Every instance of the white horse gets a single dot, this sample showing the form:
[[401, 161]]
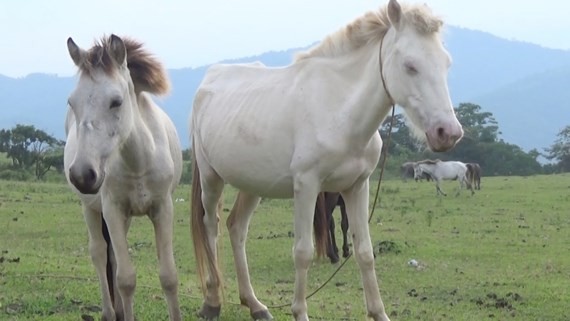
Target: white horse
[[123, 159], [440, 170], [312, 126]]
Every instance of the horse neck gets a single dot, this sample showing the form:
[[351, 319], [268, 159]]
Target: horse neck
[[368, 104], [139, 144], [428, 168]]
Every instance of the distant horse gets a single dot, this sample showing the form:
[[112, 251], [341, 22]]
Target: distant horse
[[123, 159], [440, 170], [330, 201], [474, 175], [407, 171], [312, 126]]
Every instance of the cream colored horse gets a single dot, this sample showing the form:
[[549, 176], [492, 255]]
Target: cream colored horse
[[123, 159], [440, 170], [312, 126]]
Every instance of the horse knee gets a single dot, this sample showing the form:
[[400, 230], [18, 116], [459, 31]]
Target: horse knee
[[365, 257], [169, 282], [126, 282], [303, 256]]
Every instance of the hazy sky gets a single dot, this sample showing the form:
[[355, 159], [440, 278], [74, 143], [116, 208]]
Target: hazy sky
[[190, 33]]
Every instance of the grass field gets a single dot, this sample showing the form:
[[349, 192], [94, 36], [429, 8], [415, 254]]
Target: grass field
[[502, 254]]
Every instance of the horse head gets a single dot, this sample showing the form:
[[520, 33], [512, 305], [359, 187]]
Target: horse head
[[418, 171], [415, 66], [102, 105]]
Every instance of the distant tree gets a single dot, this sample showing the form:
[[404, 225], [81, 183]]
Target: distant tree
[[479, 126], [30, 147], [402, 142], [186, 154], [560, 150], [480, 144]]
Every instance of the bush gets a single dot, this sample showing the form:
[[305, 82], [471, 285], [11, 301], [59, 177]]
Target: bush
[[15, 175]]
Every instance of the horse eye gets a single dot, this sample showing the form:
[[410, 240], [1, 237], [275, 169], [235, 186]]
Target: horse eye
[[410, 69], [116, 103]]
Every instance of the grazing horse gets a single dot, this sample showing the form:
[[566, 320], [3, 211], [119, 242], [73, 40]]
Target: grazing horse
[[312, 126], [440, 170], [330, 201], [474, 175], [123, 159], [407, 171]]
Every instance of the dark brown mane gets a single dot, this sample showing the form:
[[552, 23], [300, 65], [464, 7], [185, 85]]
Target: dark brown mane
[[147, 73]]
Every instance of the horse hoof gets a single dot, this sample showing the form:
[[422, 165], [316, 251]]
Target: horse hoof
[[209, 312], [345, 254], [334, 259], [262, 315]]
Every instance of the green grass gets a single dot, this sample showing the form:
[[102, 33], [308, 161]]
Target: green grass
[[500, 255]]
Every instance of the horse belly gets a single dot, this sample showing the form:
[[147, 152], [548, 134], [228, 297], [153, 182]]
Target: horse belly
[[257, 169]]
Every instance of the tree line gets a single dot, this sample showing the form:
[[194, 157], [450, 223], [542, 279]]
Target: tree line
[[481, 144], [32, 153]]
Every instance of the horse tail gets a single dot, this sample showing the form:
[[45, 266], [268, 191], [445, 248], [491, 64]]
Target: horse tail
[[205, 258], [321, 225]]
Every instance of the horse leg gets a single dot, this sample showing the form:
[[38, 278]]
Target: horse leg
[[438, 189], [469, 185], [211, 194], [344, 227], [332, 248], [118, 225], [356, 201], [306, 190], [98, 252], [163, 228], [330, 204], [238, 225], [461, 180]]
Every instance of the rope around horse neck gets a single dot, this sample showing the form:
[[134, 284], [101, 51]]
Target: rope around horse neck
[[384, 156]]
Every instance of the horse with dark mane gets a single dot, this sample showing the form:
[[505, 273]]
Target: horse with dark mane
[[474, 175], [328, 201], [123, 159], [444, 170], [407, 171]]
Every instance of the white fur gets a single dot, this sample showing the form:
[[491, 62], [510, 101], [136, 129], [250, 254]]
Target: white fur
[[135, 151], [312, 126]]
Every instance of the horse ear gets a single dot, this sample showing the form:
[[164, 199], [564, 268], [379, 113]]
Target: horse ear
[[118, 50], [395, 13], [75, 52]]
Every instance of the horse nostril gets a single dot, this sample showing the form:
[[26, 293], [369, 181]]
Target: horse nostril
[[90, 177], [441, 133]]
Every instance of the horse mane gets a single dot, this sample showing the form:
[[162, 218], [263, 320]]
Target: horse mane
[[429, 161], [371, 27], [147, 73]]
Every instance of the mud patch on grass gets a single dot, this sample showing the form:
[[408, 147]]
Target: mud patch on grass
[[495, 301]]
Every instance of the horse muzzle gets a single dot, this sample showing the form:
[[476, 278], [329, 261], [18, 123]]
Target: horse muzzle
[[86, 179], [444, 137]]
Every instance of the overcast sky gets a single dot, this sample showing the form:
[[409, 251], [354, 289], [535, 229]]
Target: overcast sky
[[190, 33]]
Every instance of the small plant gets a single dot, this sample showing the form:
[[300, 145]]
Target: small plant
[[429, 217]]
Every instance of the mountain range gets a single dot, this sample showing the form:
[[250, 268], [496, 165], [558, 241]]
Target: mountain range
[[525, 86]]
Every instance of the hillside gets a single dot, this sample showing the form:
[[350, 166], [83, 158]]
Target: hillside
[[506, 77]]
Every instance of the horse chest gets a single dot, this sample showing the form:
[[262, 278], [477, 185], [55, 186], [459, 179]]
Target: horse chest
[[140, 199], [136, 198]]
